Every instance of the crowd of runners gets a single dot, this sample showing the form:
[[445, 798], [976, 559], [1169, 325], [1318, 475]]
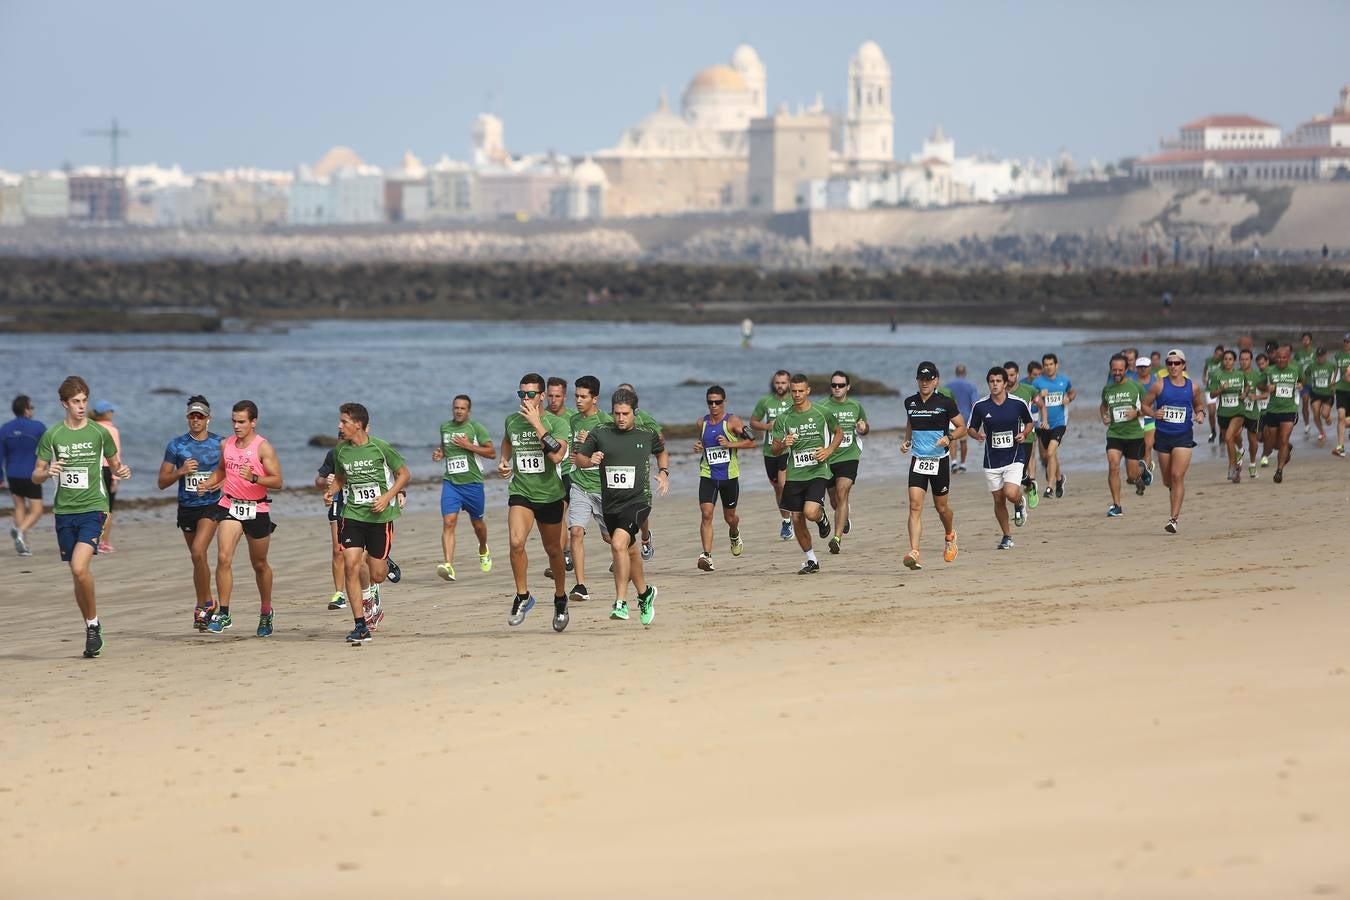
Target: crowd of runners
[[589, 470]]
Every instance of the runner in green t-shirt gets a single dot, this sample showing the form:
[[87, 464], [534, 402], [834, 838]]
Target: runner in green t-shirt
[[72, 452], [369, 475], [534, 444], [555, 404], [584, 503], [643, 419], [808, 437], [1304, 357], [770, 407], [622, 451], [1213, 363], [1225, 387], [1281, 385], [1119, 410], [1028, 394], [463, 446], [1319, 378], [852, 421], [1342, 393]]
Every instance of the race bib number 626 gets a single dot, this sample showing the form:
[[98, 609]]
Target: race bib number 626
[[924, 465]]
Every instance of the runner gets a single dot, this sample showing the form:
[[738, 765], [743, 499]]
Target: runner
[[722, 436], [1175, 402], [1056, 393], [1145, 378], [1263, 361], [770, 407], [369, 476], [927, 434], [464, 444], [1281, 385], [1213, 364], [622, 450], [645, 419], [1023, 391], [1124, 432], [555, 401], [18, 454], [247, 470], [1251, 416], [965, 395], [534, 442], [324, 481], [844, 463], [808, 437], [587, 501], [1342, 394], [189, 460], [1005, 421], [73, 451], [1304, 357], [103, 413], [1318, 381], [1225, 386]]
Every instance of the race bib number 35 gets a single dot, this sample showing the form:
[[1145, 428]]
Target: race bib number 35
[[718, 455], [924, 465], [74, 479], [530, 463], [621, 478]]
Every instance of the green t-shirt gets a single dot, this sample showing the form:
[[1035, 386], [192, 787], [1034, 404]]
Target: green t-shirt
[[770, 407], [1320, 378], [565, 467], [1119, 400], [625, 473], [643, 419], [1283, 384], [79, 487], [463, 466], [1302, 359], [814, 429], [1229, 385], [586, 479], [1028, 394], [1343, 372], [848, 414], [368, 471], [1252, 382], [1212, 366], [534, 475]]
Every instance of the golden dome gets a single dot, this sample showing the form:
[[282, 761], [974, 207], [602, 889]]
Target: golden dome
[[717, 79]]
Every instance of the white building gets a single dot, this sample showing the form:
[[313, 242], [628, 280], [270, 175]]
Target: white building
[[1326, 131], [452, 191], [1225, 132], [869, 126], [748, 65], [358, 196], [582, 198], [45, 195], [488, 141], [11, 199]]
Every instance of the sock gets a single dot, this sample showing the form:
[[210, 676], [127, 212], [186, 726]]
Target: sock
[[560, 603], [93, 621], [811, 555], [265, 610], [522, 597], [361, 622], [708, 554], [224, 610], [342, 594], [734, 533], [787, 521]]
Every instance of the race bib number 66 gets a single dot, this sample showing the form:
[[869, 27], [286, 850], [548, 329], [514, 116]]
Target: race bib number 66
[[621, 478]]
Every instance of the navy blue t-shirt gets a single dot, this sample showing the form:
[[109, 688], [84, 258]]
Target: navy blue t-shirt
[[207, 454], [1001, 423], [18, 447]]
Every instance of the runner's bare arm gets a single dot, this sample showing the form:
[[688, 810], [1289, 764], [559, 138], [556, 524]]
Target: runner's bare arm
[[960, 432], [1146, 405], [738, 427], [271, 465], [504, 465]]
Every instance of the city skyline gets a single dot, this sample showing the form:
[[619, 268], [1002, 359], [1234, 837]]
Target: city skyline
[[273, 87]]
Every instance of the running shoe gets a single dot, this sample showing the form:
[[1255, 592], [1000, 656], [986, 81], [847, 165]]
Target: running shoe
[[1019, 515], [848, 525], [647, 605], [548, 572], [1251, 470], [375, 618], [1059, 487], [1171, 527], [823, 526], [567, 560], [785, 530], [1114, 510], [1147, 476], [1006, 543], [265, 625], [911, 560], [1339, 451], [1305, 430], [219, 622], [446, 571], [1212, 436], [201, 617], [359, 635], [810, 567], [1279, 475], [485, 560], [395, 573], [106, 547], [1237, 474], [337, 601], [647, 551], [737, 547], [21, 546], [1140, 487], [949, 552], [1033, 498], [519, 608], [620, 610], [560, 614], [93, 640], [705, 562], [834, 545], [1321, 437], [580, 592], [1265, 462]]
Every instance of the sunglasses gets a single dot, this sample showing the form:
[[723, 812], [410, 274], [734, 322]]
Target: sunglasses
[[716, 402], [530, 395], [1175, 362], [838, 384]]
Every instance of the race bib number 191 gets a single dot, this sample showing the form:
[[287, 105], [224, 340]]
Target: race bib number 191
[[244, 510]]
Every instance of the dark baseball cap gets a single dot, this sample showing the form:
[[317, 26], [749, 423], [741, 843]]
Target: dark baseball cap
[[927, 370]]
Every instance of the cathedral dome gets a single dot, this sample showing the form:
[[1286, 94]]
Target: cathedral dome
[[716, 79]]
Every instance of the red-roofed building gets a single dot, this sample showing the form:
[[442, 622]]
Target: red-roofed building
[[1225, 132], [1326, 131]]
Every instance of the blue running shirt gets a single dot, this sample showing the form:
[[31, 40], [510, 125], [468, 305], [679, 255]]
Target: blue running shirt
[[207, 454]]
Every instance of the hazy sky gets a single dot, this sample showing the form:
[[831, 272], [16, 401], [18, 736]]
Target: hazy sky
[[276, 83]]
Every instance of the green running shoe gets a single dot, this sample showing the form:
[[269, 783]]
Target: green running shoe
[[647, 604], [219, 622], [620, 610], [265, 625], [1033, 498], [93, 640]]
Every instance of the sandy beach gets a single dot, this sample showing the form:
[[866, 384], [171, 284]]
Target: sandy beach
[[1107, 711]]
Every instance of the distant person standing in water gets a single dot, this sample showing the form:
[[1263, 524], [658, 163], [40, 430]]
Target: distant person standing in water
[[747, 332]]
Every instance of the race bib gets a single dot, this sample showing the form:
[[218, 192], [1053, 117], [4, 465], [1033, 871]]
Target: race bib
[[1228, 400], [530, 463], [1055, 399], [804, 459], [456, 465], [1249, 405], [244, 510], [924, 465], [75, 479], [1174, 414], [1322, 381], [717, 456], [363, 494], [194, 480], [621, 478], [1120, 414], [846, 442], [1001, 440], [1284, 391]]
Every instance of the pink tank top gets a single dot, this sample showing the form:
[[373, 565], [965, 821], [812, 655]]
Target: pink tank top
[[236, 486]]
